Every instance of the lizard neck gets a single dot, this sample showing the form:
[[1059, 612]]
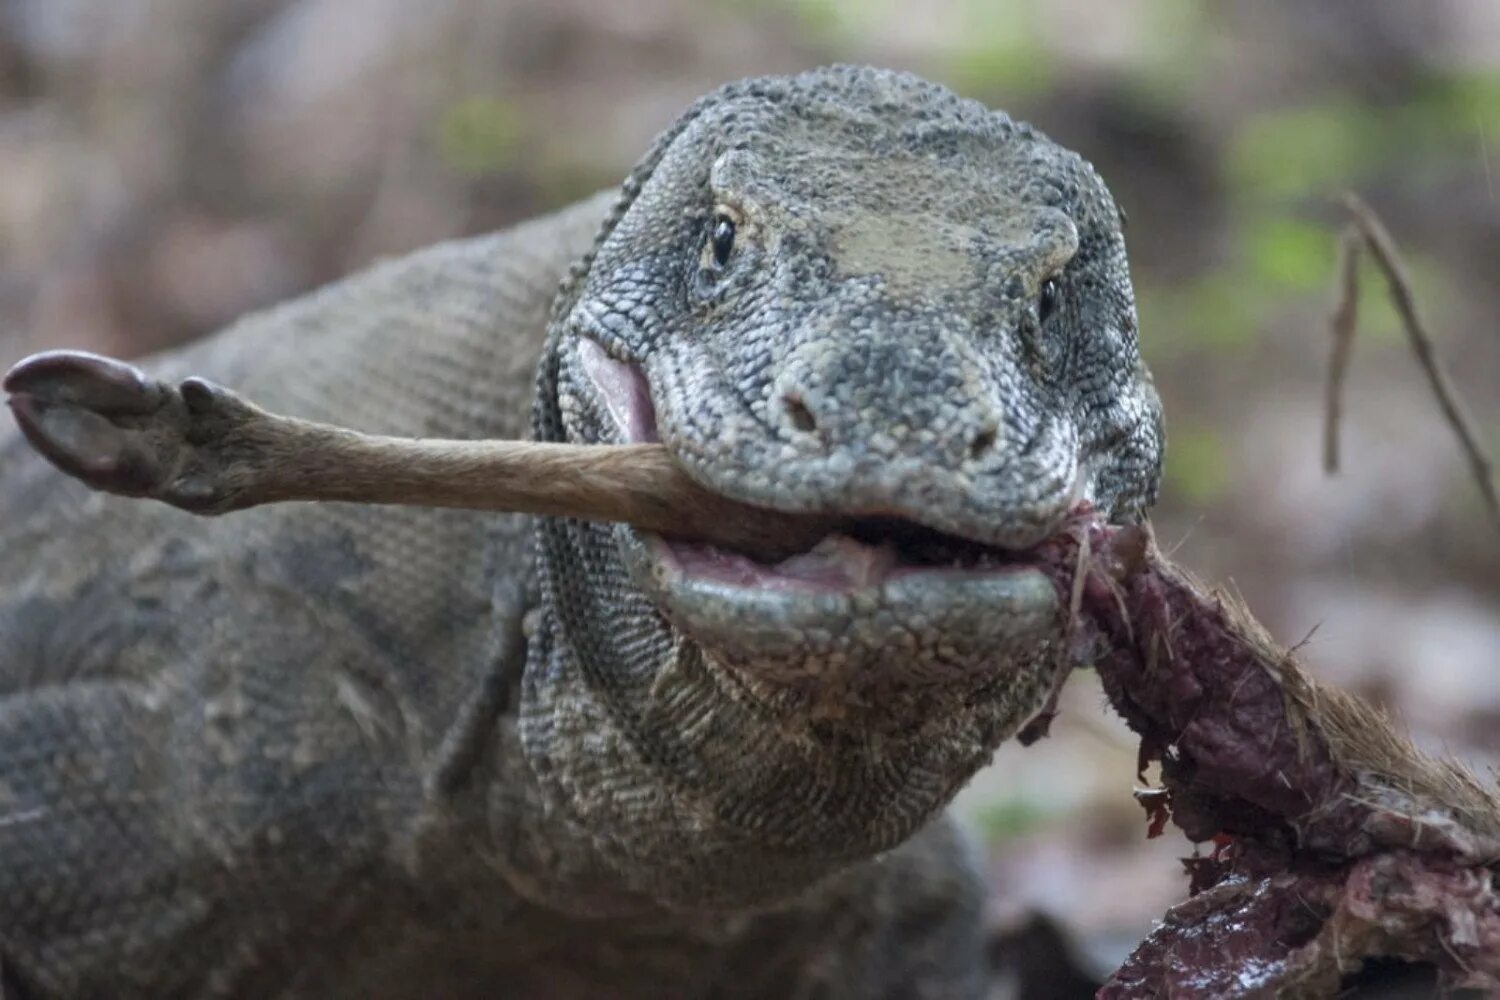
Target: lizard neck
[[660, 779], [650, 775]]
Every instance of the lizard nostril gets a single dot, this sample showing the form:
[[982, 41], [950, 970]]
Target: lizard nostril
[[800, 415], [983, 442]]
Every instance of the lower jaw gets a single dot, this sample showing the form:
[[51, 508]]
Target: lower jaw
[[903, 626]]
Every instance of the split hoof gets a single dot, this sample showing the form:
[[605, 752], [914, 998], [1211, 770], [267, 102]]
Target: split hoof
[[116, 429]]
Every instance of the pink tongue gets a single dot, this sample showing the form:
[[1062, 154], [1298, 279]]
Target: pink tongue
[[624, 390], [836, 563], [839, 559]]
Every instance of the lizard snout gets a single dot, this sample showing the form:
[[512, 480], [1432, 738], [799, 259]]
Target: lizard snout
[[878, 400], [911, 421]]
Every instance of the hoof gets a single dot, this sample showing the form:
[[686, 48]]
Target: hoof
[[117, 429], [99, 420], [90, 381], [88, 446]]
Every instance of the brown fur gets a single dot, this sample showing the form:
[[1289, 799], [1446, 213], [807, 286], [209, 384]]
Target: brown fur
[[1386, 771], [1338, 840], [638, 484], [204, 448]]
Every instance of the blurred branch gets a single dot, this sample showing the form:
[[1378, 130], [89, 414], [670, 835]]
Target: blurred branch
[[1342, 321], [1378, 239]]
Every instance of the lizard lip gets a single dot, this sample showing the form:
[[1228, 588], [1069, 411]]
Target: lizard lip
[[850, 605]]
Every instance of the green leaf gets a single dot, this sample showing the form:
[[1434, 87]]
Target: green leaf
[[1304, 151], [479, 135], [1290, 254], [1001, 51], [1009, 818], [1197, 466]]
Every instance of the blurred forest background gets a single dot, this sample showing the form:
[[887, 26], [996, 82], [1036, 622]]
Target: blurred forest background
[[167, 165]]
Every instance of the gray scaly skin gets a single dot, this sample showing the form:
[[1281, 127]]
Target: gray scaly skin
[[339, 750]]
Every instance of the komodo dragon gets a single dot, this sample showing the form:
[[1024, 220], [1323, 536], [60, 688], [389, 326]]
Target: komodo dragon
[[336, 750]]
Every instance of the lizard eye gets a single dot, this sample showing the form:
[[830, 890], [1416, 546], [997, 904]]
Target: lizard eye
[[1046, 299], [722, 241]]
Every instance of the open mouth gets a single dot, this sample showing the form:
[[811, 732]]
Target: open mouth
[[873, 584], [864, 553]]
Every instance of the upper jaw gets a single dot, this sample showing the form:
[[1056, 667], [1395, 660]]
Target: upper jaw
[[841, 420], [886, 591]]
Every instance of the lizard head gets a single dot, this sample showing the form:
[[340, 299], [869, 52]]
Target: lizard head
[[853, 293]]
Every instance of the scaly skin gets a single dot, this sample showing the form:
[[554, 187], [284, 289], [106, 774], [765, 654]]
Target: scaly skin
[[383, 752]]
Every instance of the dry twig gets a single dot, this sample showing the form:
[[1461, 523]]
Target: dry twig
[[1378, 239], [1342, 322]]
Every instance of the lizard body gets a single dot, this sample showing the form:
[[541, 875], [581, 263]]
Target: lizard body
[[343, 750]]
